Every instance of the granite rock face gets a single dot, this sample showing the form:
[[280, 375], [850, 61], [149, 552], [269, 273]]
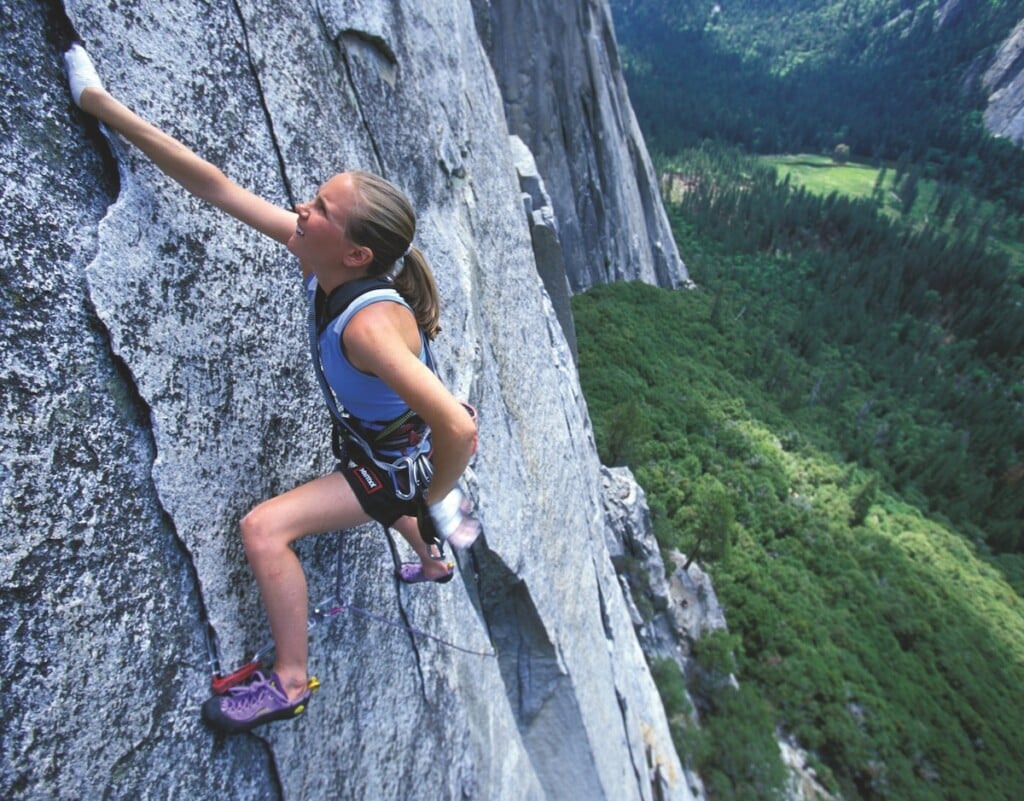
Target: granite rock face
[[1004, 80], [565, 96], [155, 385], [547, 244]]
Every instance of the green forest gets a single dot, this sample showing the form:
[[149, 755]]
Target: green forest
[[831, 421]]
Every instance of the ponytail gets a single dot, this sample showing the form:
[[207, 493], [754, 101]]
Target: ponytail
[[386, 223], [415, 283]]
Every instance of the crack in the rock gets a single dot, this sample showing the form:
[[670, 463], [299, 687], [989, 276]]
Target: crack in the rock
[[623, 707], [136, 401], [610, 636], [144, 414], [539, 690], [362, 117], [264, 106], [411, 631], [623, 711], [378, 46], [603, 603], [407, 624]]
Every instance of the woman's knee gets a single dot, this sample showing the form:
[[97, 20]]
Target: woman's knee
[[260, 533]]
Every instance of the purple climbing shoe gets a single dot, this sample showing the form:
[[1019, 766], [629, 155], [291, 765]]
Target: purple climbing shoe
[[412, 573], [260, 701]]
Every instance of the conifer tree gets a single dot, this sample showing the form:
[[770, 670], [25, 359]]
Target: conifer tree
[[861, 503], [714, 521]]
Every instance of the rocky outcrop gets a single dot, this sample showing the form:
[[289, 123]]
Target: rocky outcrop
[[1004, 81], [669, 611], [565, 96], [949, 12], [803, 783], [672, 612], [155, 386], [547, 244]]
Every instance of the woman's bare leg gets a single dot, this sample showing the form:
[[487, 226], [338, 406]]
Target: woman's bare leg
[[324, 504]]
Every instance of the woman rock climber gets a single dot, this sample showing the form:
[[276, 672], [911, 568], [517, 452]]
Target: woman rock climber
[[357, 226]]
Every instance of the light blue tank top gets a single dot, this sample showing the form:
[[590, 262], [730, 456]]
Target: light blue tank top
[[363, 395]]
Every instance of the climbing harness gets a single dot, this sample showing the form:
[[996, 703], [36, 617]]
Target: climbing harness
[[407, 437], [326, 610], [401, 447]]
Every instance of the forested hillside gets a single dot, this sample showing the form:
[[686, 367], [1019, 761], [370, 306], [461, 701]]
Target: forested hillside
[[832, 422], [832, 427]]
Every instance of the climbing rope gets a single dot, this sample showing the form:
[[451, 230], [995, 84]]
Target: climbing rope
[[419, 632]]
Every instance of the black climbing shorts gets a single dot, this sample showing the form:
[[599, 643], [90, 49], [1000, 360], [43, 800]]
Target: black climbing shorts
[[375, 489]]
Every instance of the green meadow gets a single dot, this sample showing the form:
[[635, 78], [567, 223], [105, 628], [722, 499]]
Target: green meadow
[[823, 175]]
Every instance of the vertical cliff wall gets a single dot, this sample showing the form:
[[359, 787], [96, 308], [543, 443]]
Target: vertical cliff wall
[[565, 96], [1004, 81], [155, 385]]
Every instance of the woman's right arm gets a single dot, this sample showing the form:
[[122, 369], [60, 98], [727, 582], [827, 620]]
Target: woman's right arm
[[198, 176]]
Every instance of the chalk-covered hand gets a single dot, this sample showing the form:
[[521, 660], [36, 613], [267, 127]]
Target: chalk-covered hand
[[81, 72], [454, 520]]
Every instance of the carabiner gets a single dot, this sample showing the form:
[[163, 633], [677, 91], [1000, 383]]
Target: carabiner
[[408, 464]]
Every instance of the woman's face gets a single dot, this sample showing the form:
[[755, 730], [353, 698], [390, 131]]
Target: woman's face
[[320, 239]]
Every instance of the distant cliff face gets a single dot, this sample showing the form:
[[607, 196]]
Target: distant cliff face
[[155, 385], [1004, 80], [565, 97]]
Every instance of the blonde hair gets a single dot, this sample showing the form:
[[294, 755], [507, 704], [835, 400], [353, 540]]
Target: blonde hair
[[385, 222]]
